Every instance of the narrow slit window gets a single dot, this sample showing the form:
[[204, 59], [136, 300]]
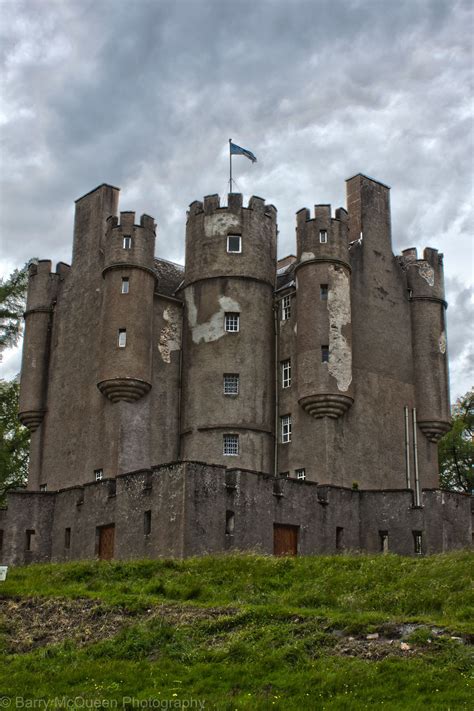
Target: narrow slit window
[[229, 522], [67, 538], [232, 322], [127, 242], [418, 541], [339, 538], [323, 236], [146, 523], [231, 384], [231, 445], [324, 354], [234, 244], [98, 474], [383, 541], [300, 474], [285, 423], [286, 308], [286, 373], [30, 535], [122, 337], [323, 292], [125, 285]]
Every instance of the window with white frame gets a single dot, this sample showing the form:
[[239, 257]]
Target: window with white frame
[[127, 242], [286, 373], [231, 445], [43, 487], [300, 474], [286, 308], [125, 285], [231, 322], [285, 423], [323, 236], [122, 337], [231, 383], [98, 474], [234, 244]]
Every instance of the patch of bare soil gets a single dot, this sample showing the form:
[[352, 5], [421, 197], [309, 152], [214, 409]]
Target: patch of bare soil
[[29, 623]]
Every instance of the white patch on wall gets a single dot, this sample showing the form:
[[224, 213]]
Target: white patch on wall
[[170, 334], [220, 223], [213, 329], [442, 343], [307, 256], [426, 272], [339, 308]]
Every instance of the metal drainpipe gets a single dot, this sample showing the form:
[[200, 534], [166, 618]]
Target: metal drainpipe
[[277, 400], [415, 455], [180, 383], [407, 448]]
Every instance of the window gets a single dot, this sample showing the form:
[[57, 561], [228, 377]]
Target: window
[[98, 474], [29, 539], [285, 428], [43, 487], [383, 541], [234, 244], [339, 538], [418, 540], [231, 445], [324, 354], [127, 242], [67, 538], [300, 474], [323, 236], [125, 285], [122, 337], [323, 292], [147, 523], [231, 322], [286, 308], [286, 373], [229, 522], [231, 384]]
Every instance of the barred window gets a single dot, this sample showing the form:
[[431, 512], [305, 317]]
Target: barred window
[[286, 373], [231, 322], [231, 384], [127, 242], [43, 487], [323, 292], [300, 474], [98, 474], [285, 428], [125, 285], [418, 541], [122, 337], [231, 445], [324, 354], [323, 236], [234, 244], [286, 308]]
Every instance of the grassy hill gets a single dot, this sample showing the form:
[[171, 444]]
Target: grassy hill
[[241, 632]]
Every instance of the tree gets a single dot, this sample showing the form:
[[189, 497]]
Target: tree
[[456, 448], [12, 306], [14, 440]]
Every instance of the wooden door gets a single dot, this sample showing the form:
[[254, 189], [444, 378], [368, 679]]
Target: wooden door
[[106, 542], [285, 539]]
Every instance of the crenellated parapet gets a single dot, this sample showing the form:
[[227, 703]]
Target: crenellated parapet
[[425, 282], [324, 334], [127, 308], [43, 288]]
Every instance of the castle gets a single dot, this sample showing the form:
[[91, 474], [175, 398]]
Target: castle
[[292, 406]]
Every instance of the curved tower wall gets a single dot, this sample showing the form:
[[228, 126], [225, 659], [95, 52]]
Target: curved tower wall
[[325, 389], [219, 282], [125, 372], [428, 315]]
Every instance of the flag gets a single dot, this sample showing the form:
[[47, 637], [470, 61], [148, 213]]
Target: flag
[[236, 150]]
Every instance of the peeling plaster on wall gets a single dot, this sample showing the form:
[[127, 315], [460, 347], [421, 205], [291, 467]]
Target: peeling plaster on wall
[[170, 335], [213, 329], [339, 308], [306, 256], [426, 272], [219, 224], [442, 343]]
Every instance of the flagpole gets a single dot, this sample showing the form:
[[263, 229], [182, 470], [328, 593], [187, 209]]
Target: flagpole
[[230, 166]]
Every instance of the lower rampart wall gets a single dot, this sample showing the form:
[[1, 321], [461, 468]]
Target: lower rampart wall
[[190, 508]]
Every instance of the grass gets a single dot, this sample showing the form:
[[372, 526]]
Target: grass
[[276, 633]]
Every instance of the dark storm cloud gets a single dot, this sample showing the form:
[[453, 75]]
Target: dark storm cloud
[[144, 95]]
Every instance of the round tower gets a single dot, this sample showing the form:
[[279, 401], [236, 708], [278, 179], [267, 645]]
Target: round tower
[[127, 308], [228, 338], [425, 281], [42, 291], [324, 331]]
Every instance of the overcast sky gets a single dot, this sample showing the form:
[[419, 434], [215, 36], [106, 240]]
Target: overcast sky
[[144, 95]]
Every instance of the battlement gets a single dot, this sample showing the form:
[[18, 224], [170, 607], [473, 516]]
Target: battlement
[[322, 213], [425, 276], [127, 222], [43, 283], [212, 204], [321, 235]]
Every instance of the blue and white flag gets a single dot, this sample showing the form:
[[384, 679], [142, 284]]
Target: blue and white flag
[[236, 150]]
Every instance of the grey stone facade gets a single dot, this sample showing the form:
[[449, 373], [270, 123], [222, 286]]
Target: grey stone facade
[[326, 370]]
